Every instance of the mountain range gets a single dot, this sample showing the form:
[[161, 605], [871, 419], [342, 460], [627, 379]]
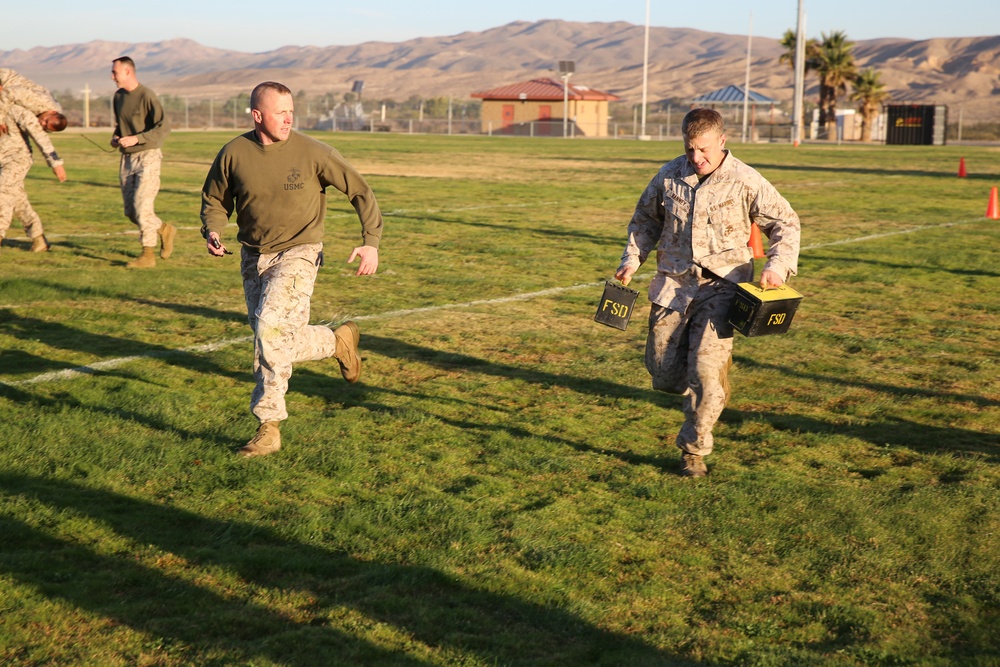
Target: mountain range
[[963, 73]]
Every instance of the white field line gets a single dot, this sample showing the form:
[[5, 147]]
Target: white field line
[[90, 369], [861, 239]]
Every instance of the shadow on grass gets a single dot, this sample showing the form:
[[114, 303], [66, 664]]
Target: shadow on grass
[[30, 404], [84, 252], [898, 432], [946, 397], [431, 611], [398, 349], [114, 185], [239, 315], [60, 336], [361, 395], [889, 430]]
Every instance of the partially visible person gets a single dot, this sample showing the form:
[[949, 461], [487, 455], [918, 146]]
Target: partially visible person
[[18, 89], [15, 162], [697, 214], [275, 180], [140, 130]]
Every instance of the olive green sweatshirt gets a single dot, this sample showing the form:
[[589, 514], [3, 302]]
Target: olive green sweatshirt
[[278, 192], [140, 113]]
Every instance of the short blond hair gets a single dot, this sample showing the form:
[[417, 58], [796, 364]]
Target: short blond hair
[[701, 121]]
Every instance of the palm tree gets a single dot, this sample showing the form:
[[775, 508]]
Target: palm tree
[[836, 69], [812, 51], [871, 93]]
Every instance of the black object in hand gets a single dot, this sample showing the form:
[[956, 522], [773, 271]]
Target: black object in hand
[[217, 244]]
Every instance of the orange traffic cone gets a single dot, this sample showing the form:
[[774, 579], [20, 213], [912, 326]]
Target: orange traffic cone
[[993, 209], [961, 168], [755, 242]]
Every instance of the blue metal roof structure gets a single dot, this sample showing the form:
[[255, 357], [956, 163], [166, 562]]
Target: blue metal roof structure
[[732, 95]]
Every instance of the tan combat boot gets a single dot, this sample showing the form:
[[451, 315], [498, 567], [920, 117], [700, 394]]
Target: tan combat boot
[[167, 234], [267, 441], [146, 260], [347, 356], [39, 244], [693, 465]]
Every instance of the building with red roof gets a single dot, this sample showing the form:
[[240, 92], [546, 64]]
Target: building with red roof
[[536, 107]]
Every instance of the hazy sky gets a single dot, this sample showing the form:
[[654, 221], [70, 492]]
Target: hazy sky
[[255, 26]]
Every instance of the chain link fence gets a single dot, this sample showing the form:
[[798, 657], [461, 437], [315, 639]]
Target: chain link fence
[[444, 116]]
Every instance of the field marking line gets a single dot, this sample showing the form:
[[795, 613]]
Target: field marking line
[[108, 364], [898, 232], [90, 369]]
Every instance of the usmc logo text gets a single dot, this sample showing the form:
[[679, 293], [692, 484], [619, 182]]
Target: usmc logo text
[[293, 176]]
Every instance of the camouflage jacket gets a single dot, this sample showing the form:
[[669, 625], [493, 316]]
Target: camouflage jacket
[[18, 89], [14, 145], [697, 226]]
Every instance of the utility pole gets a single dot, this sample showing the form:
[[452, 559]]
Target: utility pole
[[86, 106], [566, 69], [746, 85], [645, 76], [800, 76]]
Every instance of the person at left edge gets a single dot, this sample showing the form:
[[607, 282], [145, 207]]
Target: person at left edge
[[15, 161], [275, 180], [141, 127]]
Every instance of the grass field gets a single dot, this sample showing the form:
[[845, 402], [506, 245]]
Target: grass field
[[499, 487]]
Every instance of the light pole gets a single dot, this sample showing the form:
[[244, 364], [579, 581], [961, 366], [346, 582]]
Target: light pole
[[746, 85], [566, 69], [800, 76], [645, 76]]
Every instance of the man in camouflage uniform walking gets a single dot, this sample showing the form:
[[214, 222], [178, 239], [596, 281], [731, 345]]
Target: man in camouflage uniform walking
[[140, 130], [697, 214], [274, 179], [15, 162]]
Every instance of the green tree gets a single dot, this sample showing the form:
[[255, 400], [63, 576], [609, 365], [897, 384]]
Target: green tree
[[788, 41], [871, 93], [836, 68]]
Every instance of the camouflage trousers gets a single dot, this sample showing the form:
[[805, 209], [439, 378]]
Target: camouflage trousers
[[14, 199], [139, 176], [278, 287], [686, 353]]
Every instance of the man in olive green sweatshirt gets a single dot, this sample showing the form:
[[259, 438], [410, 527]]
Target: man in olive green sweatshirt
[[275, 180], [140, 130]]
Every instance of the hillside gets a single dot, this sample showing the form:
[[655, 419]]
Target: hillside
[[684, 63]]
